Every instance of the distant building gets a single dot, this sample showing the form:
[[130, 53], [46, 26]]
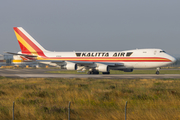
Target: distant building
[[177, 63], [8, 58], [2, 61]]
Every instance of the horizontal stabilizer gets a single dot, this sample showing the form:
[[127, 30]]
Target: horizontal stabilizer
[[21, 54]]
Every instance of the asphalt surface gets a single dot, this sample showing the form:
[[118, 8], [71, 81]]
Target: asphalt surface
[[41, 73]]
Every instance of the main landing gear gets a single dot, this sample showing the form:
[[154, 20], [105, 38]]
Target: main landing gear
[[157, 71], [96, 72], [93, 72], [105, 72]]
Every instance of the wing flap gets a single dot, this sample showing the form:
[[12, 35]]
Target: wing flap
[[81, 63], [113, 64]]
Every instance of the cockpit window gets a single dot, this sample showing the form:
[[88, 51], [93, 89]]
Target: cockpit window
[[162, 51], [129, 54]]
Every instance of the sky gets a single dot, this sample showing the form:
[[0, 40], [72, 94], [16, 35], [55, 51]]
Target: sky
[[92, 25]]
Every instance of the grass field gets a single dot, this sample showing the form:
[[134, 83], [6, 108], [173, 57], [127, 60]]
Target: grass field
[[150, 71], [91, 99]]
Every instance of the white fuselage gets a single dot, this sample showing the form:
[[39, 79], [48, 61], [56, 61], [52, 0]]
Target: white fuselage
[[139, 58]]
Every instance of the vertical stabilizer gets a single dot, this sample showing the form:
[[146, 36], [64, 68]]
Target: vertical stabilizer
[[27, 43]]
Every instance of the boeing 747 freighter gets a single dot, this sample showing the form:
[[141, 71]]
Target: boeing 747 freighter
[[93, 61]]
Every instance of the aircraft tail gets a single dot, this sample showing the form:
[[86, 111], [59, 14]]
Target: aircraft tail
[[27, 43]]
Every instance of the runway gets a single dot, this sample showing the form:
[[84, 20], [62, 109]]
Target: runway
[[40, 73], [128, 76]]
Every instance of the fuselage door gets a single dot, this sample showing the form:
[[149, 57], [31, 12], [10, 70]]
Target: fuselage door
[[155, 52]]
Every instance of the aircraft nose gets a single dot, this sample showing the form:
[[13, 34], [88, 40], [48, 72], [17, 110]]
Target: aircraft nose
[[173, 59]]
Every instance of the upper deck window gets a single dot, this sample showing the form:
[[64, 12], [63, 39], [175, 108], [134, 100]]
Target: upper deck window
[[162, 51], [129, 54]]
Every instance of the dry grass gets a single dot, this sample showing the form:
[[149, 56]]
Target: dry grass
[[91, 99]]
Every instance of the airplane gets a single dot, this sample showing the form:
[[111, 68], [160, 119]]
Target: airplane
[[93, 61]]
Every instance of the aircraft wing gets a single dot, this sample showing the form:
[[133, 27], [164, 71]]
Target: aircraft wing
[[113, 64], [82, 63], [79, 63]]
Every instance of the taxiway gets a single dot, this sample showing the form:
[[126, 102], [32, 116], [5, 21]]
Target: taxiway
[[41, 73]]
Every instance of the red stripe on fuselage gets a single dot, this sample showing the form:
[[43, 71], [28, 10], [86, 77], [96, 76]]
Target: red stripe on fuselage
[[36, 48], [110, 59]]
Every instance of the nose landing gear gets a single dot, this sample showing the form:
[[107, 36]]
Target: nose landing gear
[[157, 71]]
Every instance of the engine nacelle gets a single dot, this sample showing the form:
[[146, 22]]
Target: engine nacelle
[[127, 70], [102, 68], [71, 66]]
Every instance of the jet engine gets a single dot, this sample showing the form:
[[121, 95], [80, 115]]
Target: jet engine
[[102, 68], [71, 66]]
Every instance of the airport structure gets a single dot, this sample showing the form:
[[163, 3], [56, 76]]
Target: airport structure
[[177, 63], [2, 60]]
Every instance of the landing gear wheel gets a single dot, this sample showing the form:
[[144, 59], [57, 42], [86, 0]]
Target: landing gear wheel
[[157, 72], [89, 72], [105, 72], [93, 72], [96, 72]]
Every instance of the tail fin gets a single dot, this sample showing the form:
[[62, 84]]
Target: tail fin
[[27, 43]]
